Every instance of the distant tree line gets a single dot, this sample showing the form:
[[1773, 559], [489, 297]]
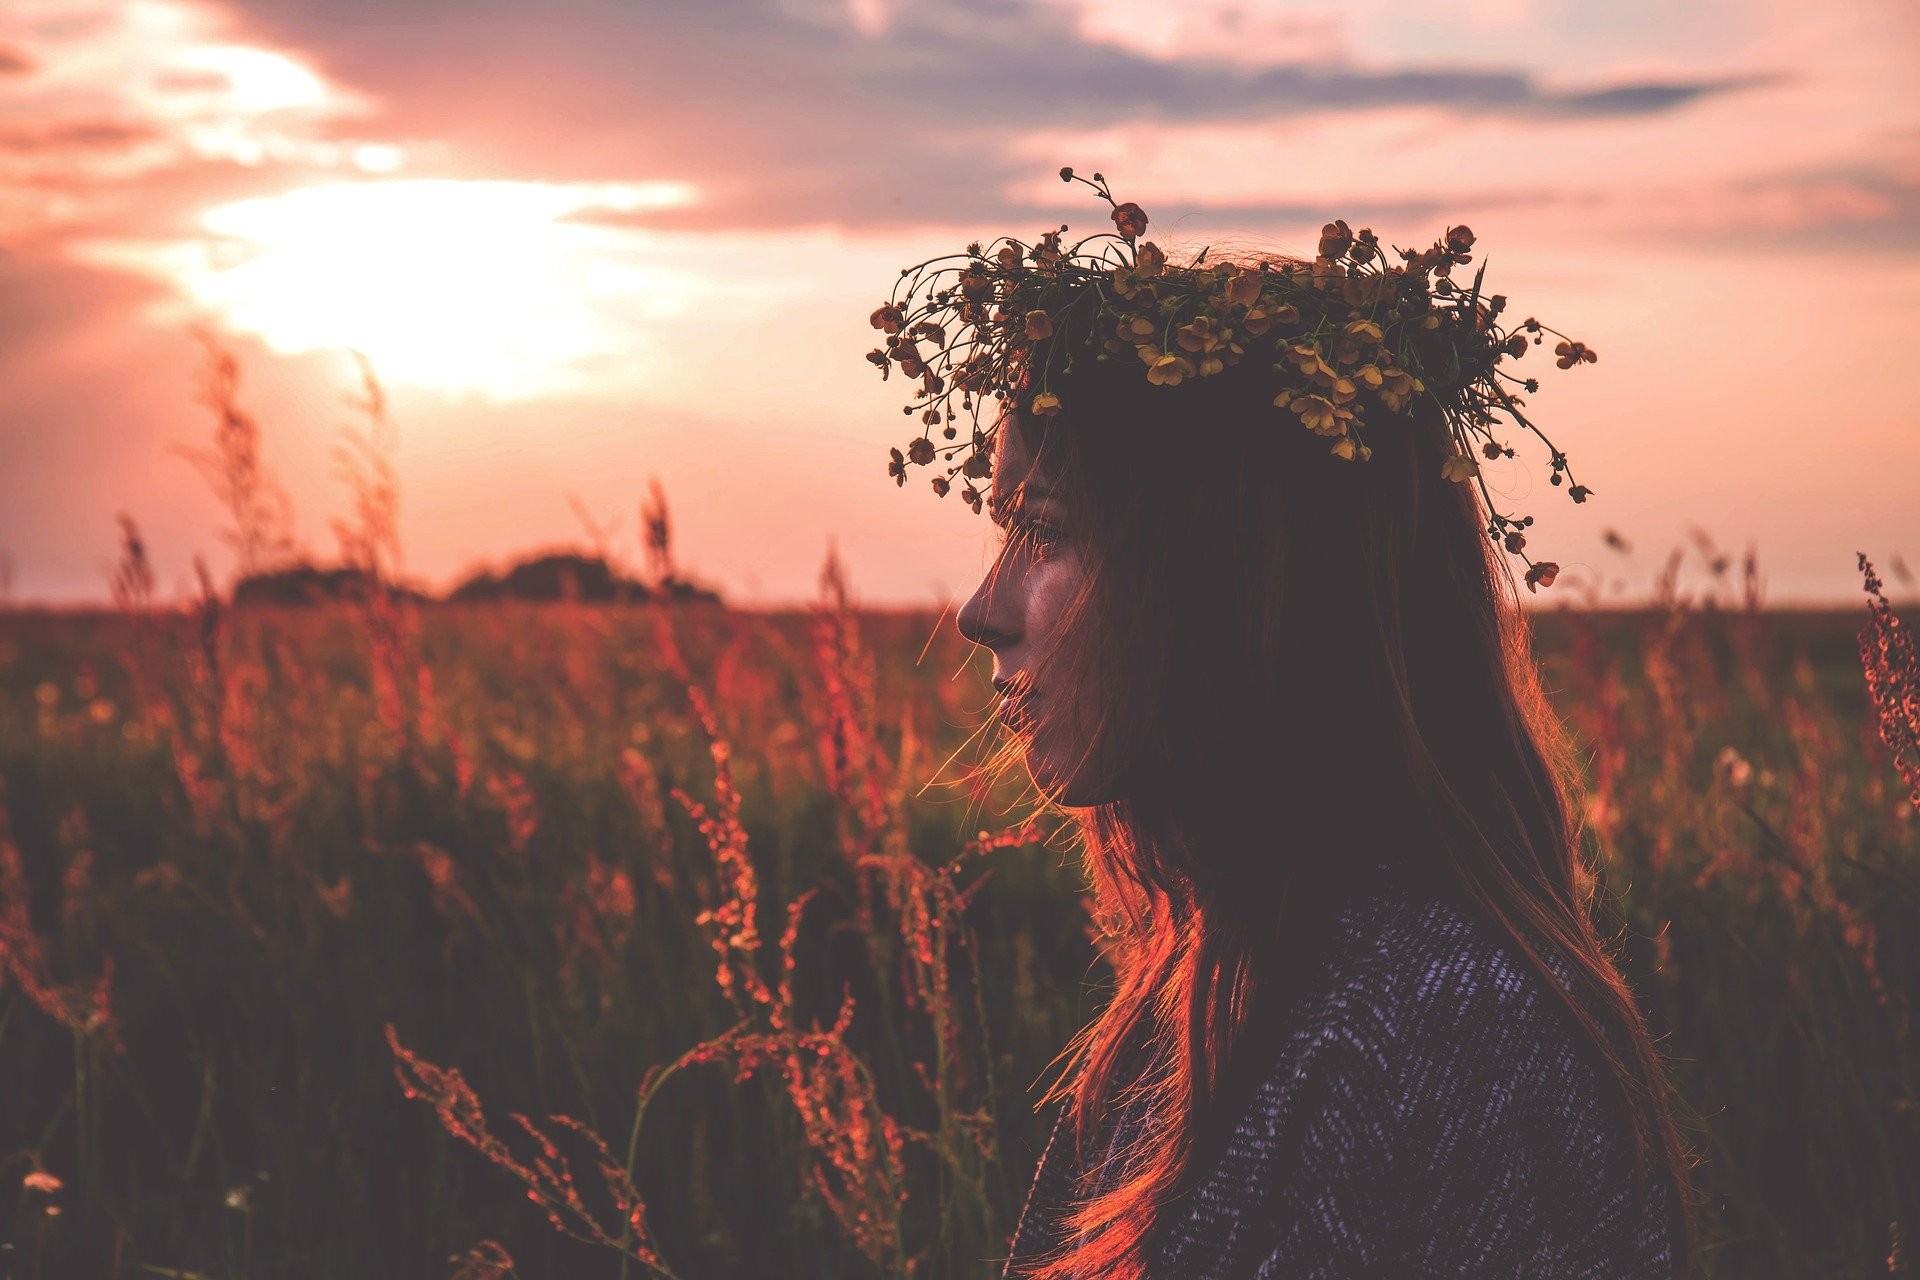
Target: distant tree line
[[553, 576]]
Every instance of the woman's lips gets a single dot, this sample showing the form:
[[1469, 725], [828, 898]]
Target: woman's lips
[[1015, 712]]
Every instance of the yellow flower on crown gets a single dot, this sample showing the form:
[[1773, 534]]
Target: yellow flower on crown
[[1243, 288], [1350, 342], [1169, 370]]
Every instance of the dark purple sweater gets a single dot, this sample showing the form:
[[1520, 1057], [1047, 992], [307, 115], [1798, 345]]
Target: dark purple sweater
[[1433, 1113]]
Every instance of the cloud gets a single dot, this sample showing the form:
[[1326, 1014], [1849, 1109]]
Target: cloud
[[821, 112], [1652, 96], [75, 135], [100, 100]]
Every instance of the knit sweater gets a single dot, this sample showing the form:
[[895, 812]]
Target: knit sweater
[[1431, 1112]]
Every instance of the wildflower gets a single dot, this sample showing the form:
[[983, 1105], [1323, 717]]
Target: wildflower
[[1039, 325], [1198, 334], [1335, 239], [1046, 403], [1169, 370], [1459, 240], [1579, 493], [1359, 338], [1260, 319], [940, 485], [1491, 449], [898, 467], [1131, 219], [1316, 412], [1459, 466], [1345, 448], [1892, 667], [1149, 260], [1398, 387], [888, 317], [1243, 289], [1572, 353], [920, 451], [1543, 573], [907, 355], [1306, 356]]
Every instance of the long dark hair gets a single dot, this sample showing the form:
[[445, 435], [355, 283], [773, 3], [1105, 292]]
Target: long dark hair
[[1303, 665]]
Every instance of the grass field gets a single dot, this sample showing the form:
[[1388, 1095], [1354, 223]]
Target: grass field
[[299, 908]]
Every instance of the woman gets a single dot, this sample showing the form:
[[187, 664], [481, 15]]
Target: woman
[[1362, 1023]]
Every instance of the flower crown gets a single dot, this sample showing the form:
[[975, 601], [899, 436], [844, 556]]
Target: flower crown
[[1342, 335]]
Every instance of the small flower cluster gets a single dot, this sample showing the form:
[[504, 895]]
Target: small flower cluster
[[1349, 333], [1891, 661]]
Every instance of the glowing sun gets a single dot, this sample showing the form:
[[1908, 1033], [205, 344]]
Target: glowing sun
[[504, 289]]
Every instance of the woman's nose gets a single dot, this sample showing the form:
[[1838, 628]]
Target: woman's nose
[[980, 621]]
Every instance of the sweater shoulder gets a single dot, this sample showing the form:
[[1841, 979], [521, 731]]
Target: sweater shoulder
[[1425, 1019], [1439, 1081], [1424, 972]]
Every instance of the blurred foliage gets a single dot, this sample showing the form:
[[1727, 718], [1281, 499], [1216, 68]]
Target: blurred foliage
[[242, 846]]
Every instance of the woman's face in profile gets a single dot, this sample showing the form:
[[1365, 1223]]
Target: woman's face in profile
[[1017, 612]]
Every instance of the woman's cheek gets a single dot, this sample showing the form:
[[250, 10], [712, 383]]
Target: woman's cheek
[[1054, 582]]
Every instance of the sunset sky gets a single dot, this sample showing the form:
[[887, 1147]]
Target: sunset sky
[[585, 242]]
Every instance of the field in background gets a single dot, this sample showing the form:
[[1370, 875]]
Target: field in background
[[270, 878]]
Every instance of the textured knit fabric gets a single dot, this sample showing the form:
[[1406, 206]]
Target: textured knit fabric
[[1430, 1113]]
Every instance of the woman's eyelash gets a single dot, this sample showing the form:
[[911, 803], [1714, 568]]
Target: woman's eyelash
[[1037, 532]]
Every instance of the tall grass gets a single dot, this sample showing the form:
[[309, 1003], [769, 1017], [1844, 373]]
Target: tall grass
[[375, 939]]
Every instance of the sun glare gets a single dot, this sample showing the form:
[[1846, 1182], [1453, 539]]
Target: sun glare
[[504, 289], [257, 80]]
